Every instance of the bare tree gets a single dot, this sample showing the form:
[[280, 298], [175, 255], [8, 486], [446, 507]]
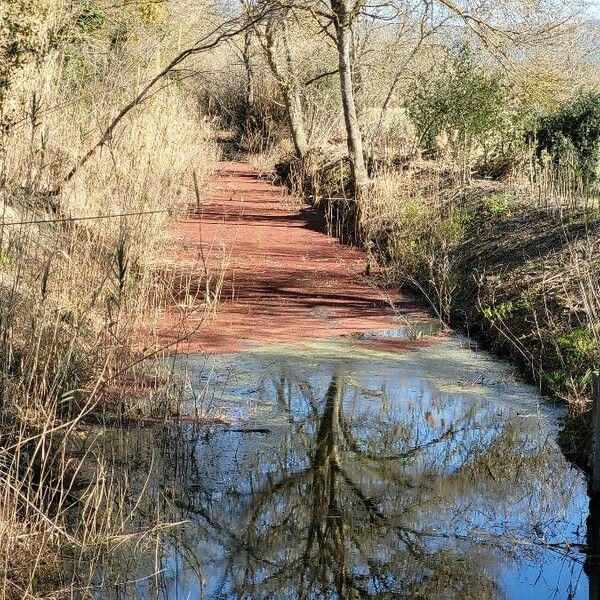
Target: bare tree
[[245, 51], [502, 28], [249, 69], [344, 14], [275, 41], [225, 30]]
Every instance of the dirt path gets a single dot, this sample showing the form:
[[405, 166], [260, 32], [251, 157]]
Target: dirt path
[[285, 279]]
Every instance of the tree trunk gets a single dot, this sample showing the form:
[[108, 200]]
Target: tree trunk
[[249, 72], [358, 80], [289, 89], [343, 25]]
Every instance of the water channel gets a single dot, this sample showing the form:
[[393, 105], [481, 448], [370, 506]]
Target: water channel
[[398, 464]]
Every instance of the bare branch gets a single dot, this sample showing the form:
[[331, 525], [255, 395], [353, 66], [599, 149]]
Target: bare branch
[[222, 32]]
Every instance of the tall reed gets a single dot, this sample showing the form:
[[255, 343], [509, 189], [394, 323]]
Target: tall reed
[[80, 277]]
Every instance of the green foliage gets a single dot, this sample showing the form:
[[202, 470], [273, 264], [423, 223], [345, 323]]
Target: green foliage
[[121, 264], [576, 358], [568, 383], [452, 228], [499, 206], [119, 37], [339, 176], [21, 39], [579, 346], [92, 28], [90, 19], [78, 69], [6, 260], [425, 238], [571, 137], [152, 12], [500, 312], [471, 106], [555, 380]]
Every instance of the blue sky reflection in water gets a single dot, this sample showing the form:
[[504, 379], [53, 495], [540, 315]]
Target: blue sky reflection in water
[[350, 471]]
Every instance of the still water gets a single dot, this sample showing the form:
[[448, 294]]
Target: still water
[[386, 465]]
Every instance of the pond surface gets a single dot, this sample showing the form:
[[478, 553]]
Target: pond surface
[[387, 465]]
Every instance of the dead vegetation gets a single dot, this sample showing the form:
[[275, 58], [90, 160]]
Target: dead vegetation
[[103, 140], [489, 257], [81, 274]]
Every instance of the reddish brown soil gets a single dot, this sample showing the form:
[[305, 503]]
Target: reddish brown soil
[[285, 280]]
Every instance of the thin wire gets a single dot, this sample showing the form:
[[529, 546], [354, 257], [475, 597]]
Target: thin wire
[[69, 219]]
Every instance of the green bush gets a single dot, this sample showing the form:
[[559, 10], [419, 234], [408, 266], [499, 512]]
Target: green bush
[[90, 19], [579, 346], [499, 205], [470, 105], [571, 137], [21, 38]]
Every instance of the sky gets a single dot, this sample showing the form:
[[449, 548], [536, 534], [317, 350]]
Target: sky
[[595, 7]]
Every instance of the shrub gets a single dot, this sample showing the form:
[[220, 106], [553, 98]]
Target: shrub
[[469, 105], [571, 136], [22, 40]]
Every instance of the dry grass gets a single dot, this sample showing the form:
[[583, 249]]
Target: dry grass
[[80, 274], [499, 262]]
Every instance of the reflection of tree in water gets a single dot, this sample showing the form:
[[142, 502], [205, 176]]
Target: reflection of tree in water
[[352, 549], [350, 502], [323, 533]]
